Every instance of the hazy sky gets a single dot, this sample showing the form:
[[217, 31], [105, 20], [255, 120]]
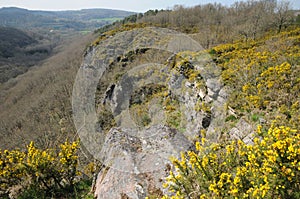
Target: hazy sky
[[131, 5]]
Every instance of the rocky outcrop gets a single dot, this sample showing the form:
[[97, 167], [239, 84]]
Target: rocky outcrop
[[136, 156]]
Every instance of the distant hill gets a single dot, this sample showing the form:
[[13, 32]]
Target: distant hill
[[27, 37], [79, 20], [19, 50]]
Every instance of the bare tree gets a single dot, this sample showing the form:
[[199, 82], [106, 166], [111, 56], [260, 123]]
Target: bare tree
[[283, 15]]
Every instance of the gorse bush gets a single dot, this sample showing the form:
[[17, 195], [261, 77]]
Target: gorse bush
[[11, 168], [46, 170], [263, 75], [270, 168]]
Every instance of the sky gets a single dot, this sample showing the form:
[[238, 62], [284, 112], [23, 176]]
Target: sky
[[130, 5]]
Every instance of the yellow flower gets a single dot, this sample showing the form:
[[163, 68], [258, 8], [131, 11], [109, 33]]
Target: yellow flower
[[198, 146], [229, 149], [213, 188], [204, 161], [236, 180], [233, 191]]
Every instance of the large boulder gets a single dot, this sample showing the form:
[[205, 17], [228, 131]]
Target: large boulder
[[135, 165]]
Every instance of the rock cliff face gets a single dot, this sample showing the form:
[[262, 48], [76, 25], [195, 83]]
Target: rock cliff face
[[161, 90]]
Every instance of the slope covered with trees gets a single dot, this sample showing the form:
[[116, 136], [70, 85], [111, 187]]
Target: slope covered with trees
[[212, 24], [20, 50]]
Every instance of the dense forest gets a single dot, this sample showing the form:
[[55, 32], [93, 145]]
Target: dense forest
[[247, 108], [20, 50]]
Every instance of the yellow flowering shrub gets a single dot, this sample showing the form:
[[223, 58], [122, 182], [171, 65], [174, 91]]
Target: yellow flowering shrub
[[11, 168], [40, 166], [270, 168], [263, 75], [44, 169], [68, 160]]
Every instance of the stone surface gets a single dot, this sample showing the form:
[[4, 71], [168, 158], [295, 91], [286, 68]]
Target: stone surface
[[242, 131], [135, 165]]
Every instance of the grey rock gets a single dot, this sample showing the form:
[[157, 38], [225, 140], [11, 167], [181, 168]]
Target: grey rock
[[135, 164], [262, 120], [214, 85], [242, 131], [224, 92]]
